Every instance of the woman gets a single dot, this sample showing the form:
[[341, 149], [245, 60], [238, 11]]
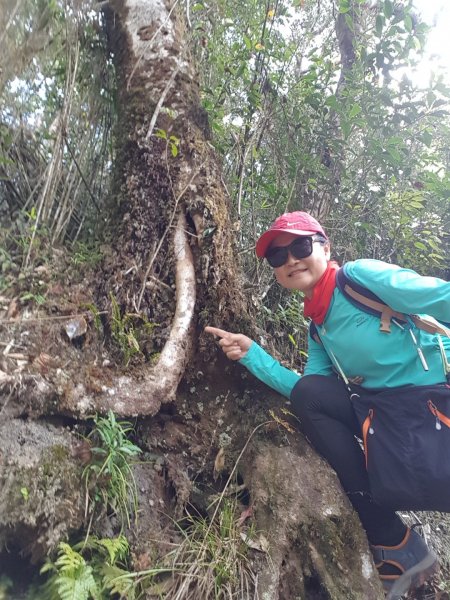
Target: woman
[[350, 343]]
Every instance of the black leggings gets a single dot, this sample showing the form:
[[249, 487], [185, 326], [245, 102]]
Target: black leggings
[[328, 421]]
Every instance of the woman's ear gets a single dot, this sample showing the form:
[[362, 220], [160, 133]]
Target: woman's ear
[[327, 250]]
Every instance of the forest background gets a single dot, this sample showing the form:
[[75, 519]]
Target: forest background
[[144, 146]]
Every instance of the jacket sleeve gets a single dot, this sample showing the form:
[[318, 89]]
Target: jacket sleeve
[[270, 371], [403, 290]]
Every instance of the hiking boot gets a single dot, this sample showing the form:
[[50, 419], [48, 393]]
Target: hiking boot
[[404, 567]]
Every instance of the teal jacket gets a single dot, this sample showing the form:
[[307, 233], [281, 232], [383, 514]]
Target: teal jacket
[[351, 338]]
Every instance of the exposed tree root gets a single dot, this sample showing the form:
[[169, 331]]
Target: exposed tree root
[[317, 548], [125, 395]]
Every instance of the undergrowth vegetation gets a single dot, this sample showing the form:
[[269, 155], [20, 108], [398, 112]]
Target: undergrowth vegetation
[[211, 560], [108, 477], [129, 331], [91, 569], [301, 121]]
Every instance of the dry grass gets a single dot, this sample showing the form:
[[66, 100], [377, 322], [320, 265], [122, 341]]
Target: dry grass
[[211, 562]]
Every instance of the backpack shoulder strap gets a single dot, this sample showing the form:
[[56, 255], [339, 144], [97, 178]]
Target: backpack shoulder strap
[[314, 332], [369, 302]]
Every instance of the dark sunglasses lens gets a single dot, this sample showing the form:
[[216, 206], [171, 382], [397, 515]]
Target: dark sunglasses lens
[[301, 248], [277, 256]]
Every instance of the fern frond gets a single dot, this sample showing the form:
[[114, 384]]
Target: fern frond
[[81, 587], [69, 560], [118, 581], [117, 548]]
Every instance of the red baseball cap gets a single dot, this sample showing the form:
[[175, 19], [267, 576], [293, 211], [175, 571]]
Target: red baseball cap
[[298, 223]]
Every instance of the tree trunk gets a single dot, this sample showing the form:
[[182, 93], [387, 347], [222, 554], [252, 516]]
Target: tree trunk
[[171, 265], [347, 29]]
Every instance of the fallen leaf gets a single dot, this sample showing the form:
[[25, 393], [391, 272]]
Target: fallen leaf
[[261, 544], [281, 422], [44, 362], [245, 514], [13, 309], [219, 463]]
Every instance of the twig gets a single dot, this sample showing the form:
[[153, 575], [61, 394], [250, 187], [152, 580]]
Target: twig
[[161, 100], [188, 17], [55, 318], [158, 247], [80, 172], [161, 283], [233, 470]]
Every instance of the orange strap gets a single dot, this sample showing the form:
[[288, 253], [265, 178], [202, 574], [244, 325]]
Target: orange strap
[[438, 414], [365, 431]]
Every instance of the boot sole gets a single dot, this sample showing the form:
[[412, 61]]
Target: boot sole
[[414, 577]]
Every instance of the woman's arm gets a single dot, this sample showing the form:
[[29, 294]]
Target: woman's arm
[[263, 366]]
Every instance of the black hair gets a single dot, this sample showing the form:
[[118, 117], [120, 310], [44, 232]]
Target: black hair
[[318, 237]]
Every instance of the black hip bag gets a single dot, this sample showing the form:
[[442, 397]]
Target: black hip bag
[[406, 437], [405, 430]]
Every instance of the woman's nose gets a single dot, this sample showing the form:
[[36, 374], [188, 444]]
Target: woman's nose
[[291, 258]]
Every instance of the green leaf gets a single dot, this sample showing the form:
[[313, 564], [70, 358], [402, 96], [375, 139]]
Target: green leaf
[[346, 128], [395, 141], [394, 154], [420, 245], [439, 113], [433, 244], [408, 23], [426, 138], [344, 6], [349, 22], [379, 24], [160, 133], [248, 42], [388, 9], [332, 102], [355, 110], [431, 97]]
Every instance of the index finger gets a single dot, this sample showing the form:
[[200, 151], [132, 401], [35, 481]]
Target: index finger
[[219, 332]]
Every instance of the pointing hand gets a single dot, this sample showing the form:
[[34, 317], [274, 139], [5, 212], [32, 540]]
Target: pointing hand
[[234, 345]]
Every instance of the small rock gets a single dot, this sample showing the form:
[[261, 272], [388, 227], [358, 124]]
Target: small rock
[[76, 327]]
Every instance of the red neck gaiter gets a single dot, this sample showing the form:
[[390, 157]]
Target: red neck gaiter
[[317, 306]]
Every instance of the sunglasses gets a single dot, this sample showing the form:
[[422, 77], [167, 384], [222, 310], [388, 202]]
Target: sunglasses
[[301, 247]]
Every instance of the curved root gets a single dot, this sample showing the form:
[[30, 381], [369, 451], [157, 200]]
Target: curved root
[[124, 396]]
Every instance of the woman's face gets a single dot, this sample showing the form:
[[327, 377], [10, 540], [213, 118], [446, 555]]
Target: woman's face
[[301, 273]]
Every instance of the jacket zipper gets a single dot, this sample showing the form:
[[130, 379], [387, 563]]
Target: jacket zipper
[[440, 417]]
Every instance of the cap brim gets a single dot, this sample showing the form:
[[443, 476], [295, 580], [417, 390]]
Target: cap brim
[[267, 238]]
